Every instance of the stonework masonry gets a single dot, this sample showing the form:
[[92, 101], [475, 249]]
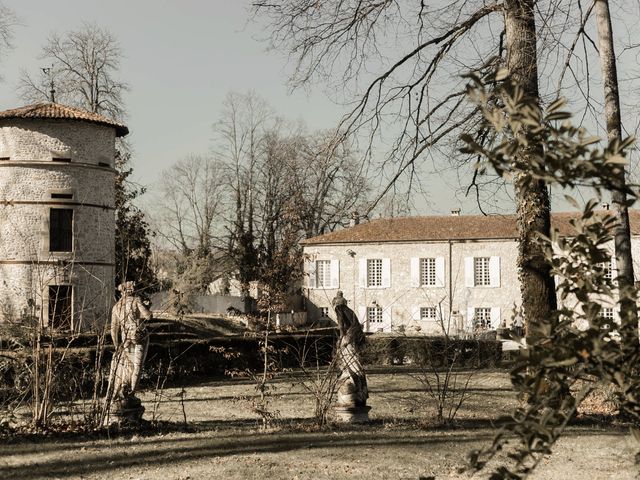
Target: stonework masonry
[[455, 297], [59, 164], [400, 301]]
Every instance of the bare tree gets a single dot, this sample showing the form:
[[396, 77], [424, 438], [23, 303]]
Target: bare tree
[[190, 204], [622, 237], [327, 182], [281, 181], [417, 51], [84, 66], [8, 21], [241, 132]]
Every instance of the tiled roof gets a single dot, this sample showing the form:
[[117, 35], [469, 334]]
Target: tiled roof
[[56, 110], [450, 227]]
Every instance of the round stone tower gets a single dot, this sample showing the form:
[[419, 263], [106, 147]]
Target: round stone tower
[[57, 216]]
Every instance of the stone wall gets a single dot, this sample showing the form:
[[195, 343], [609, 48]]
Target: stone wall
[[211, 304], [39, 161], [401, 301], [41, 140]]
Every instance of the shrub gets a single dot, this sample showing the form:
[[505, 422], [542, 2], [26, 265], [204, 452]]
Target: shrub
[[432, 351]]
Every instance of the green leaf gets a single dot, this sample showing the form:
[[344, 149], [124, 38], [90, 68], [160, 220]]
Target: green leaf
[[616, 160], [560, 102], [589, 141], [558, 116], [501, 74], [572, 201]]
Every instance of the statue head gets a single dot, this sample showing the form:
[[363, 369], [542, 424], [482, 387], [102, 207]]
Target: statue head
[[127, 288]]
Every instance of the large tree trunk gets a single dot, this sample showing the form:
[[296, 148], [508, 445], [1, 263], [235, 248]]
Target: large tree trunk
[[622, 234], [533, 209]]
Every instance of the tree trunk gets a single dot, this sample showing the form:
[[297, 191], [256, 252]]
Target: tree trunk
[[622, 233], [533, 209]]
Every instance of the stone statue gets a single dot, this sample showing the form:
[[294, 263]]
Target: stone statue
[[352, 383], [131, 341]]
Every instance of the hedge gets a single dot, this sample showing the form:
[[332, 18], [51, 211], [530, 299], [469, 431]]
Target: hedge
[[432, 351], [182, 359]]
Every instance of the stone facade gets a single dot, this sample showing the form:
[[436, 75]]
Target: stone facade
[[411, 298], [66, 165]]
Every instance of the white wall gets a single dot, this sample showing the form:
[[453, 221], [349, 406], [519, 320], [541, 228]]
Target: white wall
[[401, 300]]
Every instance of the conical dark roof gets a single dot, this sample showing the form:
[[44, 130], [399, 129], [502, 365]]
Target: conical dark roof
[[56, 110]]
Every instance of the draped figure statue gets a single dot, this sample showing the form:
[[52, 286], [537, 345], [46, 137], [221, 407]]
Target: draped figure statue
[[352, 383], [131, 341]]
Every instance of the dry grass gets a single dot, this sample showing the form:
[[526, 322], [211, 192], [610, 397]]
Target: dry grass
[[225, 442]]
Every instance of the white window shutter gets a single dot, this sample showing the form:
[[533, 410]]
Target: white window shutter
[[335, 273], [495, 317], [439, 271], [415, 272], [362, 272], [362, 315], [311, 271], [415, 313], [470, 315], [468, 272], [386, 272], [386, 319], [494, 271]]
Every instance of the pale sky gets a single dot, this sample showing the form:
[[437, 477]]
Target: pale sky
[[180, 60]]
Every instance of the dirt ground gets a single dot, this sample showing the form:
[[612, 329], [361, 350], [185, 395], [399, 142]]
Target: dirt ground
[[224, 439]]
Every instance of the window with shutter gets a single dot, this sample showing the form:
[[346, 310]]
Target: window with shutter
[[374, 314], [481, 272], [374, 272], [323, 273], [428, 313], [482, 318], [427, 272]]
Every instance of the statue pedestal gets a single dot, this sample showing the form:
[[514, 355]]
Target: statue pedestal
[[350, 407], [126, 411], [351, 414]]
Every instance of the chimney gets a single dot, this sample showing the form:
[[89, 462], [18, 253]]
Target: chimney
[[355, 219], [605, 206], [455, 212]]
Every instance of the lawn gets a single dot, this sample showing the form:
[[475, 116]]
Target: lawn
[[224, 440]]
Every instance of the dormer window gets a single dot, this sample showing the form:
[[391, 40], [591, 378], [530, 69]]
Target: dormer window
[[61, 159], [5, 159]]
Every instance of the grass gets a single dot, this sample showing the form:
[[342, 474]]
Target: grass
[[224, 439]]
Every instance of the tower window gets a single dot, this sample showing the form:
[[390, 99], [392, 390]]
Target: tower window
[[60, 306], [61, 230], [65, 196]]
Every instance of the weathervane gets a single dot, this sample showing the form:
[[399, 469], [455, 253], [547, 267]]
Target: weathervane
[[48, 71]]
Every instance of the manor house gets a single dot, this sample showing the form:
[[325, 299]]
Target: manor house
[[426, 274]]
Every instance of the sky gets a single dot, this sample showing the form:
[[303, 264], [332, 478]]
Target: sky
[[181, 58]]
